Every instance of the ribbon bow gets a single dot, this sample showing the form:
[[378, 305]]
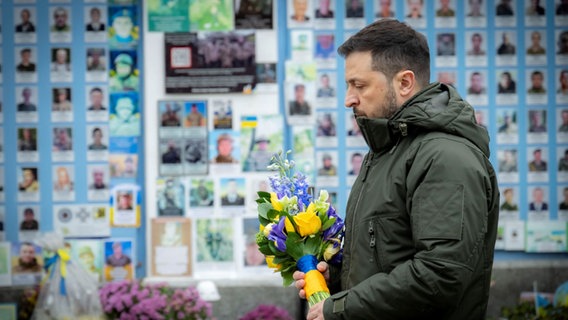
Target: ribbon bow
[[62, 254]]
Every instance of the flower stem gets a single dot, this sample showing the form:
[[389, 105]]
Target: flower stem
[[317, 297]]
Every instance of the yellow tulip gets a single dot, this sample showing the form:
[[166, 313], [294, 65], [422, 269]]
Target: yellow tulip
[[308, 222], [275, 202], [289, 226], [271, 264]]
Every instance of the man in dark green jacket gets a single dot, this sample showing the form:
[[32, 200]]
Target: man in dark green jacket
[[421, 218]]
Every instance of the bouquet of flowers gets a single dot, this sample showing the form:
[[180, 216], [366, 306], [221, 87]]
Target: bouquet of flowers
[[296, 229]]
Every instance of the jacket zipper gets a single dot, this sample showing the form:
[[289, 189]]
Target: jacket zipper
[[366, 168], [372, 242]]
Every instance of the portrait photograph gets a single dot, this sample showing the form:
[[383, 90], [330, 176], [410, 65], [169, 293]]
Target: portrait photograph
[[194, 157], [98, 179], [561, 87], [476, 82], [535, 13], [123, 72], [232, 192], [123, 165], [507, 87], [28, 148], [300, 99], [222, 113], [89, 254], [537, 126], [536, 87], [326, 133], [509, 205], [505, 13], [97, 137], [508, 165], [252, 256], [215, 241], [170, 117], [97, 67], [446, 13], [384, 9], [97, 103], [506, 48], [62, 139], [124, 118], [60, 24], [325, 50], [475, 13], [538, 203], [63, 182], [60, 68], [507, 126], [561, 37], [562, 167], [171, 197], [300, 14], [224, 148], [123, 31], [27, 139], [27, 263], [538, 159], [97, 141], [261, 138], [25, 24], [29, 218], [326, 165], [202, 193], [118, 260], [26, 103], [26, 64], [562, 125], [476, 48], [195, 114], [95, 18], [415, 13]]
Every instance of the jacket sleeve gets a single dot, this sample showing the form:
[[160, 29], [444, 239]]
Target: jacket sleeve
[[447, 196]]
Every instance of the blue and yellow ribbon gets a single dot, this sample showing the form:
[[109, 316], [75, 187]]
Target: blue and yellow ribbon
[[63, 255]]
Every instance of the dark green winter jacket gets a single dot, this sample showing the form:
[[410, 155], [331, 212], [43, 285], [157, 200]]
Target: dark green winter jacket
[[421, 219]]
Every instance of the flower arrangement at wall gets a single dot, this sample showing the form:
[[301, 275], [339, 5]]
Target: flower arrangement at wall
[[132, 300], [267, 312]]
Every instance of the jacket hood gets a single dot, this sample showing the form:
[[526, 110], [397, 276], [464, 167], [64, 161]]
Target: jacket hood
[[436, 108]]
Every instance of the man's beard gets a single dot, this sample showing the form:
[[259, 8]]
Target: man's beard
[[389, 107], [385, 110]]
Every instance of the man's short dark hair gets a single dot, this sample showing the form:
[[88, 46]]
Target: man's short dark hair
[[394, 47], [25, 50], [96, 89]]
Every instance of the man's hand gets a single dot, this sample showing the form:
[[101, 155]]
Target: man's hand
[[316, 312], [300, 282]]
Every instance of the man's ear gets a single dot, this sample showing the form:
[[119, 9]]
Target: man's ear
[[405, 85]]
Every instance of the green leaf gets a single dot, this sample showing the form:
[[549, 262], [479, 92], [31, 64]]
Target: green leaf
[[264, 195], [263, 210], [328, 224], [312, 245], [265, 249], [287, 277], [275, 250], [263, 221], [294, 245], [272, 214]]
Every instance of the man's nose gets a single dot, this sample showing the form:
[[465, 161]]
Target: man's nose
[[351, 100]]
